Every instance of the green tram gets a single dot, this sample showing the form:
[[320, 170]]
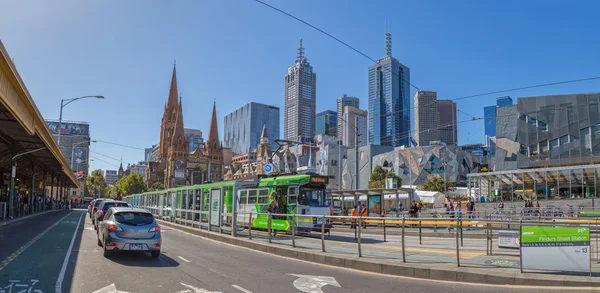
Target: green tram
[[302, 195]]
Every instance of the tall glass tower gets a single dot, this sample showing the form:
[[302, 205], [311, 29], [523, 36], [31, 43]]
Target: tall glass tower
[[389, 100], [300, 100]]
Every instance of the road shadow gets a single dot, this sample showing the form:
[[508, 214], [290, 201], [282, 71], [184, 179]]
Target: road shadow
[[344, 238], [142, 259]]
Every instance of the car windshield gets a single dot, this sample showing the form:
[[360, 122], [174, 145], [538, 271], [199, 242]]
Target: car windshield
[[134, 218], [313, 197], [97, 203], [109, 205]]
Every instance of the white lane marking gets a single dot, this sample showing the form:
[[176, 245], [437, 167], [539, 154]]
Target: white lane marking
[[109, 289], [313, 284], [61, 276], [241, 289], [183, 259], [194, 289]]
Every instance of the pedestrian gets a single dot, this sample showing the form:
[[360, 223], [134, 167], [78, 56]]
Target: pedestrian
[[272, 209], [363, 213], [470, 208], [354, 215]]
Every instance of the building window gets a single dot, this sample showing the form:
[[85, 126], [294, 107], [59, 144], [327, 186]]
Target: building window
[[544, 146], [586, 139], [554, 143], [523, 150], [542, 126], [333, 163], [533, 150]]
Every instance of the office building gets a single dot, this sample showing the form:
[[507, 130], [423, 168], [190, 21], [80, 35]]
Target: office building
[[243, 127], [300, 100], [155, 153], [111, 177], [427, 118], [326, 123], [349, 130], [447, 116], [341, 103], [140, 169], [148, 153], [194, 138], [74, 143], [489, 115], [389, 100]]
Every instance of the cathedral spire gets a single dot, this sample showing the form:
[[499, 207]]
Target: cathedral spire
[[173, 93], [213, 133], [263, 136]]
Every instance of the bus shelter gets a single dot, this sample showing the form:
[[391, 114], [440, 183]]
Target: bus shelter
[[376, 200], [569, 182]]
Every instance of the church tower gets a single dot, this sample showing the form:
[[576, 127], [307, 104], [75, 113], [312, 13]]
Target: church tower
[[263, 151], [173, 145], [213, 148]]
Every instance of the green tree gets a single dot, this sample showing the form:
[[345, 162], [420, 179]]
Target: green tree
[[98, 188], [157, 186], [378, 176], [131, 184], [437, 184]]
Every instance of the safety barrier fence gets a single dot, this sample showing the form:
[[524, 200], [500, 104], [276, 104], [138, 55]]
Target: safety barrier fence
[[476, 242]]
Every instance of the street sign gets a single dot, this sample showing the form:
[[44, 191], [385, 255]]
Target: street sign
[[268, 168], [565, 249], [14, 171]]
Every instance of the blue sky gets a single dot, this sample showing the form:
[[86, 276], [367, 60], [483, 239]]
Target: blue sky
[[237, 51]]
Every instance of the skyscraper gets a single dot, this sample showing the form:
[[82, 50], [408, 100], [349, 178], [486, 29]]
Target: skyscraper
[[352, 116], [427, 118], [389, 100], [300, 100], [447, 115], [243, 127], [326, 123], [341, 103]]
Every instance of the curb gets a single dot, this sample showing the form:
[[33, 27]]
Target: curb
[[414, 270], [5, 223]]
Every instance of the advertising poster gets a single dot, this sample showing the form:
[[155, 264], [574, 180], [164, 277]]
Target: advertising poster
[[80, 159], [67, 128], [215, 204], [374, 206], [179, 169], [565, 249]]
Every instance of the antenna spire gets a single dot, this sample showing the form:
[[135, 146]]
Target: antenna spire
[[388, 42], [300, 53]]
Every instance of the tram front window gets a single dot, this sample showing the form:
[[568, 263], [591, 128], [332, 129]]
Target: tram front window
[[313, 197]]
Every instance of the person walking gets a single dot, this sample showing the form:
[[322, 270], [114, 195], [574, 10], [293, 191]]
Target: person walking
[[272, 210]]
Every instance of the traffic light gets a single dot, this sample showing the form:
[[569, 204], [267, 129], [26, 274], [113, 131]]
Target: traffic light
[[92, 180]]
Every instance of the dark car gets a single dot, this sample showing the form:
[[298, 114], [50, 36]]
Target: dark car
[[129, 229], [94, 207], [103, 208]]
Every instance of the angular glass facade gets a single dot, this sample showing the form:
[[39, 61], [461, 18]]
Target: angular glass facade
[[243, 127]]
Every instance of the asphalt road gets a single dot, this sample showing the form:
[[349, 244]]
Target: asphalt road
[[189, 264]]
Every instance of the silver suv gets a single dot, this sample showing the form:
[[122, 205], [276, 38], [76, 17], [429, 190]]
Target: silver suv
[[132, 229]]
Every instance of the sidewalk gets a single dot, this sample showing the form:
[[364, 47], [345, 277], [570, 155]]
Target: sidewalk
[[434, 259]]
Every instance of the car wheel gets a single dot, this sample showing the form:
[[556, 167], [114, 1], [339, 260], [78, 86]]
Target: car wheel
[[155, 253], [107, 253]]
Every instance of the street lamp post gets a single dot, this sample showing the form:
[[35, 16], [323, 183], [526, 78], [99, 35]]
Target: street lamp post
[[65, 102]]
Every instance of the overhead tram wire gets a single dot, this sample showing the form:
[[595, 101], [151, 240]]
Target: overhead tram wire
[[104, 161], [97, 153], [414, 107], [118, 144]]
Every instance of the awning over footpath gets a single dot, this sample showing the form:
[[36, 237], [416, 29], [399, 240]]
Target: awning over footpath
[[22, 129]]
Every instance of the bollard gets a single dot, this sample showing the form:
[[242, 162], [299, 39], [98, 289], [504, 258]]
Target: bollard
[[420, 236], [403, 250], [491, 240], [457, 247], [358, 239], [384, 234], [234, 224], [294, 230], [269, 227], [520, 246], [323, 233], [461, 234], [487, 239]]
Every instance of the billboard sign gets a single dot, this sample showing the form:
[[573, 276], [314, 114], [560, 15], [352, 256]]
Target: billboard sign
[[179, 169], [68, 128], [568, 246], [79, 159]]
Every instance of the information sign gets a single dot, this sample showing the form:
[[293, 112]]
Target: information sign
[[564, 249], [508, 239]]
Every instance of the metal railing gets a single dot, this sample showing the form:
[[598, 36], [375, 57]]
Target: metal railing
[[488, 226]]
